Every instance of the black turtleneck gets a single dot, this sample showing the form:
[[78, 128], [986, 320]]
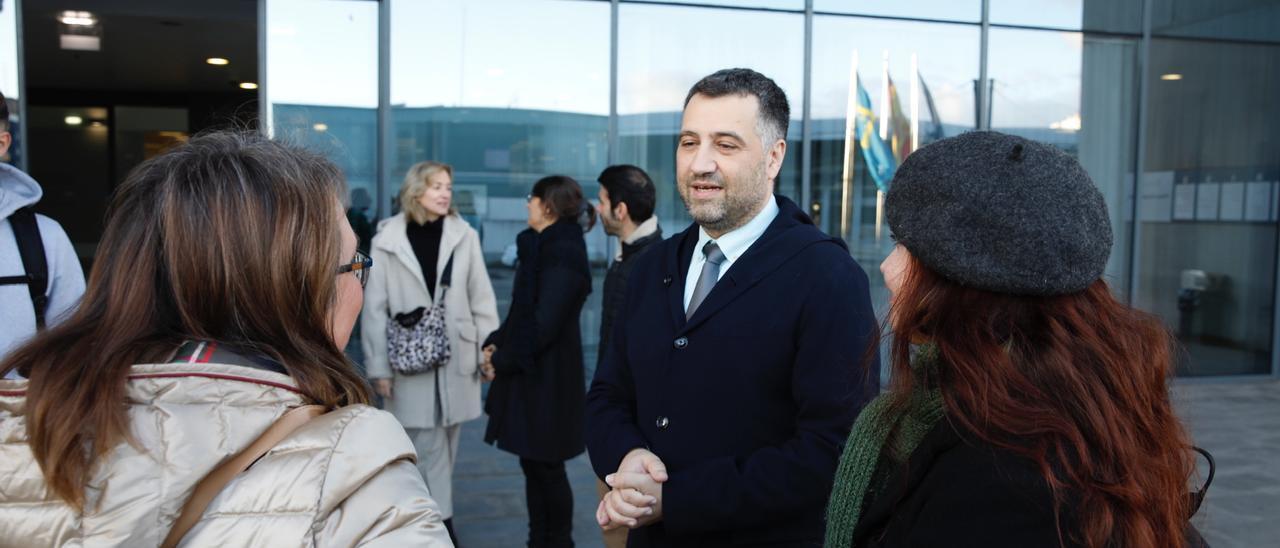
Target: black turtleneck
[[425, 240]]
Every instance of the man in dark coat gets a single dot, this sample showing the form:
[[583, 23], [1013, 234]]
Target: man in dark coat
[[740, 357], [626, 203]]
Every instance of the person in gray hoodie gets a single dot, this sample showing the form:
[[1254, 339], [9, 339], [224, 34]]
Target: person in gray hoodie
[[65, 279]]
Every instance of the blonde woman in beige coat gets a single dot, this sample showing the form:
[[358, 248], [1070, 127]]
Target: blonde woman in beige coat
[[225, 286], [412, 250]]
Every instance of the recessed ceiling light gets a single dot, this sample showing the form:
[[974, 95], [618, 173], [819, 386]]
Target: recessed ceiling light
[[248, 85], [1171, 76], [73, 120], [77, 18], [321, 127], [217, 61]]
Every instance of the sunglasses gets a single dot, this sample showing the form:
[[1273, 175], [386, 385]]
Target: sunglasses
[[360, 265]]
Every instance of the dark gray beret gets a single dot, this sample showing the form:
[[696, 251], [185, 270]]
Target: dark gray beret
[[1001, 213]]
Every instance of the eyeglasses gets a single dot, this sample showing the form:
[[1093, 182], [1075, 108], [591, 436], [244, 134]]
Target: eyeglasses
[[360, 265], [528, 198]]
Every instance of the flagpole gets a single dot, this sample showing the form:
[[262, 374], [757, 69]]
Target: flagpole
[[915, 103], [850, 137], [884, 134], [884, 98]]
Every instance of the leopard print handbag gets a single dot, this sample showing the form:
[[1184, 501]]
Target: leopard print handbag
[[417, 341]]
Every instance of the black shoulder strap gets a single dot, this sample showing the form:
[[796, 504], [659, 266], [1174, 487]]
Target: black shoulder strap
[[31, 249], [446, 279]]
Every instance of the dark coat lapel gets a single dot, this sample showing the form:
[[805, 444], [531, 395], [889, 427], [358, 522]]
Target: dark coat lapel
[[784, 239], [677, 268]]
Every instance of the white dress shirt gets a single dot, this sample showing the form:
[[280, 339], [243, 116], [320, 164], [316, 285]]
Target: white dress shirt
[[733, 244]]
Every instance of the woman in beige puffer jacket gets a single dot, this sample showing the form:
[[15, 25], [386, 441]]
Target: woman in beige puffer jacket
[[224, 289]]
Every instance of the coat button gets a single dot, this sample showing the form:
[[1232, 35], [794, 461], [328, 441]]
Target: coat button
[[662, 423], [682, 342], [666, 281]]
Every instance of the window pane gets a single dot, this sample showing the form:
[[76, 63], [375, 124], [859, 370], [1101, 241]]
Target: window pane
[[1079, 93], [1207, 255], [1237, 20], [797, 5], [946, 10], [663, 51], [10, 85], [503, 116], [848, 183], [322, 84], [1095, 15]]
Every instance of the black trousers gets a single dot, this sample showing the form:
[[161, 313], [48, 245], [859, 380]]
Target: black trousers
[[546, 488]]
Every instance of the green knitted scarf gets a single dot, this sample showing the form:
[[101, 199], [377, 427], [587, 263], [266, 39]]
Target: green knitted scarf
[[865, 463]]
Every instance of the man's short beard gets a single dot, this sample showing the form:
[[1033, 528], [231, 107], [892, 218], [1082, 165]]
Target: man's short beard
[[736, 208]]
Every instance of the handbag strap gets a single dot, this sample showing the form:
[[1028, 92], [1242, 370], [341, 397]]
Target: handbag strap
[[219, 477], [446, 279]]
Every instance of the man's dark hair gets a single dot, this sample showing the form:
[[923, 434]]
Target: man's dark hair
[[628, 184], [4, 113], [775, 113]]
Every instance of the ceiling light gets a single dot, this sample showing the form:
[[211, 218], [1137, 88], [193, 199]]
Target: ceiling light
[[217, 61], [321, 127], [248, 85], [1171, 76], [77, 18], [73, 120]]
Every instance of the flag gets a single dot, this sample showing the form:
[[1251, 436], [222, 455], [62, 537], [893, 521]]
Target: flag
[[899, 126], [935, 130], [881, 163]]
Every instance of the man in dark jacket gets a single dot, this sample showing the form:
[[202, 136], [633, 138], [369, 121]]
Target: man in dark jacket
[[627, 200], [739, 358], [626, 203]]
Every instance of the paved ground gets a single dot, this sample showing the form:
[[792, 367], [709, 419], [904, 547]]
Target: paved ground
[[1238, 422]]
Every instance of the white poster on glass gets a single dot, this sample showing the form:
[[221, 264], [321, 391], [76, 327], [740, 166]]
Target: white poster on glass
[[1156, 204], [1231, 206], [1257, 201], [1184, 202], [1208, 196]]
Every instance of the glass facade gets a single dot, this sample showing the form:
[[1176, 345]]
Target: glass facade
[[11, 78], [1177, 130]]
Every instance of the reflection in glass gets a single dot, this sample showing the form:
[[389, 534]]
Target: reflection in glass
[[944, 10], [903, 94], [507, 92], [1078, 93], [796, 5], [656, 70], [1207, 252], [1094, 15], [322, 83], [1255, 20], [10, 85], [503, 116]]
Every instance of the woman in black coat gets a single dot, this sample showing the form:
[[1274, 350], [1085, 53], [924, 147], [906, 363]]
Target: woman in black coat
[[1027, 405], [536, 403]]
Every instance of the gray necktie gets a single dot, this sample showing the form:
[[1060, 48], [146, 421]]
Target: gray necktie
[[706, 280]]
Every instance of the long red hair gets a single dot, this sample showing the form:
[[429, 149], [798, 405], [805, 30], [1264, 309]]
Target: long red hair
[[1077, 383]]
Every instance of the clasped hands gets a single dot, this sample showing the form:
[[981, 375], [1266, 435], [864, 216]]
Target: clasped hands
[[636, 496], [487, 371]]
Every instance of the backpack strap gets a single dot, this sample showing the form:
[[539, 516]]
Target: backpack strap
[[31, 248], [217, 479]]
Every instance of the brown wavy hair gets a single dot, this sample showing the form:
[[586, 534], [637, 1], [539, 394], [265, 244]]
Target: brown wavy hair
[[1077, 383], [230, 237]]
